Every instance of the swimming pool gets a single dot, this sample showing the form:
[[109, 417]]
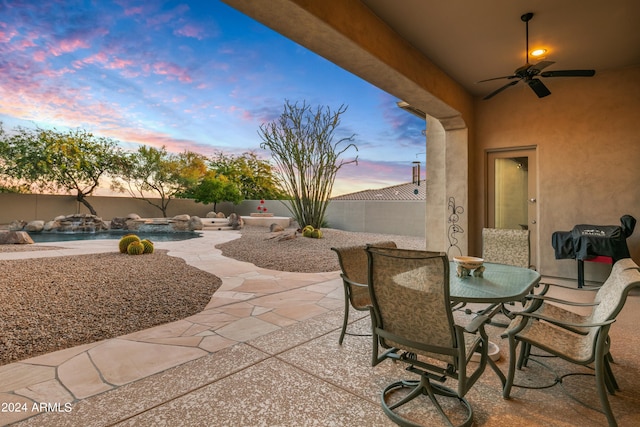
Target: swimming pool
[[114, 235]]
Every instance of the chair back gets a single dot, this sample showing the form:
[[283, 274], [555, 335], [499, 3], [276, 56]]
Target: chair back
[[506, 246], [613, 279], [353, 263], [613, 294], [411, 305]]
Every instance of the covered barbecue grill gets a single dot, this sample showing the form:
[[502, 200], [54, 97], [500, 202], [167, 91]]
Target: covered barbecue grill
[[601, 243]]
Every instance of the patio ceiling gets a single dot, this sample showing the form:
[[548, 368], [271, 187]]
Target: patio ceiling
[[476, 40], [468, 40]]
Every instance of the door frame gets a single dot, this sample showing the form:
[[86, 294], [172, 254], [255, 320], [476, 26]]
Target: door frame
[[532, 192]]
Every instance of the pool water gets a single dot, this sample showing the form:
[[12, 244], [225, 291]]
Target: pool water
[[112, 234]]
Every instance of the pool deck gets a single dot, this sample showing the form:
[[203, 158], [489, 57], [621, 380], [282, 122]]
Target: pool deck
[[264, 352]]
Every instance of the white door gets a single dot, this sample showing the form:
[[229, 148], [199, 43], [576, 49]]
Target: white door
[[512, 192]]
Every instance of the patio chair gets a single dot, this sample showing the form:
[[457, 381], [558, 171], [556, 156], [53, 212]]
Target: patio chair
[[412, 318], [551, 307], [353, 263], [588, 345], [506, 246]]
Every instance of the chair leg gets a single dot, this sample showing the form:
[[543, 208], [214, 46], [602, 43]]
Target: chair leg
[[346, 316], [506, 390], [612, 384], [424, 386], [601, 387]]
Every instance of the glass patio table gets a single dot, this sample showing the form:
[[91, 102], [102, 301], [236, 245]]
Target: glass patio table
[[499, 283]]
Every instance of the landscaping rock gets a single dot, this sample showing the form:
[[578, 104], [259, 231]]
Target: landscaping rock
[[195, 223], [235, 222], [211, 214], [118, 223], [35, 226], [16, 225], [15, 238], [275, 228]]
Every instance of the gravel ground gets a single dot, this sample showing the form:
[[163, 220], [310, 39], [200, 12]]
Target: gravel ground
[[302, 254], [54, 303]]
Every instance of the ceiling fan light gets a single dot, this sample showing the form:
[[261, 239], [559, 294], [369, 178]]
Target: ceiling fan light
[[538, 52]]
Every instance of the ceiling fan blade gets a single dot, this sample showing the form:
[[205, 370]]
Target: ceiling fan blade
[[539, 88], [569, 73], [497, 78], [541, 65], [497, 91]]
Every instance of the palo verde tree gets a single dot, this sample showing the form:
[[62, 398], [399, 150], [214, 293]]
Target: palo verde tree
[[52, 160], [307, 158], [155, 172], [253, 176], [214, 188]]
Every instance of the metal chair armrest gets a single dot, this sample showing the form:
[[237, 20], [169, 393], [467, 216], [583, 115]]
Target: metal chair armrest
[[477, 323], [561, 323], [560, 301], [548, 286], [352, 283]]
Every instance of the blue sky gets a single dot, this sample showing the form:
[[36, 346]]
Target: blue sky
[[191, 75]]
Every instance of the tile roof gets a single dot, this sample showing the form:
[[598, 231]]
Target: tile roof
[[395, 192]]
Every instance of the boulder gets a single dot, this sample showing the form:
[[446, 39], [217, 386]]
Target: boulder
[[15, 238], [36, 226], [183, 217], [118, 223], [220, 215], [133, 216], [235, 222], [16, 225], [51, 225], [275, 228], [211, 214], [195, 223]]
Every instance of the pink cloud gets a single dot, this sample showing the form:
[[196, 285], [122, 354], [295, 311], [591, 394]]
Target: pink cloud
[[133, 11], [190, 30], [172, 70], [69, 45], [118, 64], [40, 56]]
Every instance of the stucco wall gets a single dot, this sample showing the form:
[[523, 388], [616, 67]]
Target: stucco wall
[[588, 154], [406, 218], [402, 218], [28, 207]]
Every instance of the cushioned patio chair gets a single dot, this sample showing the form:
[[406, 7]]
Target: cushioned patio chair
[[412, 319], [585, 343], [353, 263], [505, 246], [554, 308]]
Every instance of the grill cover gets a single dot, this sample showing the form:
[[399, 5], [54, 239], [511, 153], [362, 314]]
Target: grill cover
[[587, 241]]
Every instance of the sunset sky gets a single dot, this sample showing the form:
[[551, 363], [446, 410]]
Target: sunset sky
[[191, 75]]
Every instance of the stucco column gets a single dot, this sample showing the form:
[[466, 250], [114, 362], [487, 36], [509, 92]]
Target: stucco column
[[447, 221]]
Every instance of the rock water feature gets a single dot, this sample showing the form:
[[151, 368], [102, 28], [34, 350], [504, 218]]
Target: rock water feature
[[91, 224]]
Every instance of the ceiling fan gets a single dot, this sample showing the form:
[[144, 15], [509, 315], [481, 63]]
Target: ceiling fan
[[528, 72]]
